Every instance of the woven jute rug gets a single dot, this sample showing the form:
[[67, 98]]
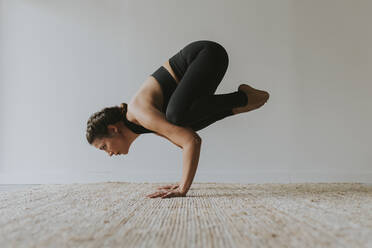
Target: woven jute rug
[[117, 214]]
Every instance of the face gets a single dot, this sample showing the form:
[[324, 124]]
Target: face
[[116, 144]]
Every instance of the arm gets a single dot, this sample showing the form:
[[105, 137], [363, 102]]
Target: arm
[[184, 137], [190, 159]]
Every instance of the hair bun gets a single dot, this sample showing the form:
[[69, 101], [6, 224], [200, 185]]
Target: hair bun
[[123, 107]]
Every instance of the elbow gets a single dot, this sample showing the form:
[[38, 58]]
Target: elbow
[[195, 141]]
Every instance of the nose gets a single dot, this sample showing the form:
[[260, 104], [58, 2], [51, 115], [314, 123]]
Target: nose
[[111, 153]]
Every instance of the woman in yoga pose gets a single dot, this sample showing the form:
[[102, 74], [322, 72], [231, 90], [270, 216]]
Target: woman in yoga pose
[[174, 102]]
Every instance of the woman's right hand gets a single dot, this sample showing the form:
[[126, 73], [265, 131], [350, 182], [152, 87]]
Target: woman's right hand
[[170, 187]]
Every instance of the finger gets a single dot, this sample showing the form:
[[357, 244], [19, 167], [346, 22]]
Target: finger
[[170, 194], [154, 194], [171, 186], [157, 194], [165, 187]]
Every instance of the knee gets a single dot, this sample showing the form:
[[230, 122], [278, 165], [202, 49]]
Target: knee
[[174, 116], [220, 53]]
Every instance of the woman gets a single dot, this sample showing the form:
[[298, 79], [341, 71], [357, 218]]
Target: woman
[[174, 102]]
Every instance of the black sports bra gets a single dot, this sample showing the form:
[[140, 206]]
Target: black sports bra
[[134, 127], [167, 84]]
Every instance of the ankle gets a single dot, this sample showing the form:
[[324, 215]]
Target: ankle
[[243, 96], [235, 111]]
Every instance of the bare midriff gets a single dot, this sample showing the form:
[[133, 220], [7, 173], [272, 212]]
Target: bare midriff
[[170, 70]]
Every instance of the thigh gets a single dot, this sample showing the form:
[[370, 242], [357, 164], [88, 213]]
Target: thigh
[[202, 77]]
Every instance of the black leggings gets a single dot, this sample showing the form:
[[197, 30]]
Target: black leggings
[[200, 66]]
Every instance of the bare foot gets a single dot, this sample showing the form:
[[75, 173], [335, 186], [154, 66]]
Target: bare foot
[[256, 98]]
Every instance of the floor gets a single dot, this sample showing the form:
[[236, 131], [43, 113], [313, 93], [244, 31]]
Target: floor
[[12, 187], [212, 215]]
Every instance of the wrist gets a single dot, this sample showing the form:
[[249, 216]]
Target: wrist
[[183, 189]]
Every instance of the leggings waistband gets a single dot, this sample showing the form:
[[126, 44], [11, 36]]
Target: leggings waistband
[[167, 83], [178, 64]]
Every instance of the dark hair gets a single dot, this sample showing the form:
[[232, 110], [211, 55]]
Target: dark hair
[[98, 122]]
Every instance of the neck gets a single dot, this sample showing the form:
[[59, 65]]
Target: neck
[[131, 136]]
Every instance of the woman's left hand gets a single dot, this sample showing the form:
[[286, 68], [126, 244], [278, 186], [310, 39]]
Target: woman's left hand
[[168, 194]]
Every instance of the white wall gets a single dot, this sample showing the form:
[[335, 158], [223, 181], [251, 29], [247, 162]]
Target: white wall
[[63, 60]]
